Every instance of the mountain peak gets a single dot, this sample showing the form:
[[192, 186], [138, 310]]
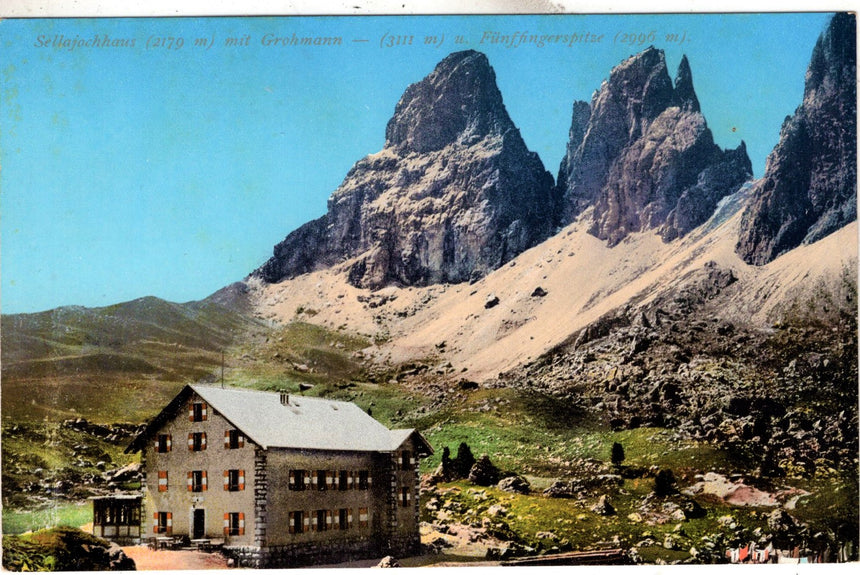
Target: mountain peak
[[643, 155], [685, 95], [454, 194], [457, 102], [809, 188]]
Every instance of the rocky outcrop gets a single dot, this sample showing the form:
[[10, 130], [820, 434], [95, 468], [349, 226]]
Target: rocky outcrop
[[810, 184], [454, 193], [642, 154]]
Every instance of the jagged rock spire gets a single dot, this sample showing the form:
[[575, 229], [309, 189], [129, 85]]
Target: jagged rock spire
[[646, 158], [809, 188], [685, 95]]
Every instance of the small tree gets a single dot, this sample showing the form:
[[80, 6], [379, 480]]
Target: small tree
[[464, 461], [664, 483], [617, 455], [446, 463]]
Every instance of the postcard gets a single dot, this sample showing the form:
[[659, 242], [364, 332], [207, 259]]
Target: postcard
[[429, 290]]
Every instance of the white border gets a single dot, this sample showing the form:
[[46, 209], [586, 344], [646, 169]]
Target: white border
[[107, 8]]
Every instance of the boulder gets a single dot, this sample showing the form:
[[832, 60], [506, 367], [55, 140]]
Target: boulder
[[515, 484], [483, 472], [387, 562]]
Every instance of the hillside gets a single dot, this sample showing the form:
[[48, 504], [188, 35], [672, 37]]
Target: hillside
[[582, 278], [114, 362]]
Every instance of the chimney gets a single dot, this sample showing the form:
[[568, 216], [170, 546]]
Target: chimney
[[285, 397]]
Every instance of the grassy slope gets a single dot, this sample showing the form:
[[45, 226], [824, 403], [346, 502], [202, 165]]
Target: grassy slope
[[117, 363]]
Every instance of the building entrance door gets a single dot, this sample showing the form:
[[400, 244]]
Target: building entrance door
[[199, 526]]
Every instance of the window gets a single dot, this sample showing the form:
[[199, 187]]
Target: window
[[162, 481], [296, 522], [406, 460], [321, 478], [234, 480], [234, 524], [163, 443], [363, 479], [343, 481], [233, 439], [405, 496], [163, 522], [298, 479], [197, 481], [344, 518], [362, 517], [197, 441], [197, 411], [322, 521]]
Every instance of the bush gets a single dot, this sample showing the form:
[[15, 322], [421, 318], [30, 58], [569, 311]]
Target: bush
[[484, 473], [62, 549]]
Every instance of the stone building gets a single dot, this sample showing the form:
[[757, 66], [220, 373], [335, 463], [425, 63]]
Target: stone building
[[282, 480]]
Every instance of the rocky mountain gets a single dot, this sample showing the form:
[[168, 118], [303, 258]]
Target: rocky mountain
[[643, 156], [453, 194], [809, 188]]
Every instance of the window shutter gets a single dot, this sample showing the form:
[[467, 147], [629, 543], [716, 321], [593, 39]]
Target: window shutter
[[291, 521], [241, 523], [169, 442], [292, 479], [226, 439], [204, 410], [156, 444], [190, 480], [411, 461], [226, 524], [314, 522], [349, 517], [329, 478], [307, 479], [241, 438], [162, 480], [191, 412], [169, 523], [369, 480], [190, 442], [155, 522], [241, 480], [203, 441], [349, 479], [307, 521], [203, 485], [313, 477], [328, 517], [226, 480]]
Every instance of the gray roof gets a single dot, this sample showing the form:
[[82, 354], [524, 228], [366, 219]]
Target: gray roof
[[304, 423]]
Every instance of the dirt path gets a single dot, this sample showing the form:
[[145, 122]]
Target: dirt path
[[148, 560]]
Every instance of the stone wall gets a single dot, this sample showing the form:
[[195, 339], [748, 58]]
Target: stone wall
[[303, 554]]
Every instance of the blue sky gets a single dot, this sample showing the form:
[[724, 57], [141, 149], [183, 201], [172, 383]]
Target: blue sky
[[133, 171]]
